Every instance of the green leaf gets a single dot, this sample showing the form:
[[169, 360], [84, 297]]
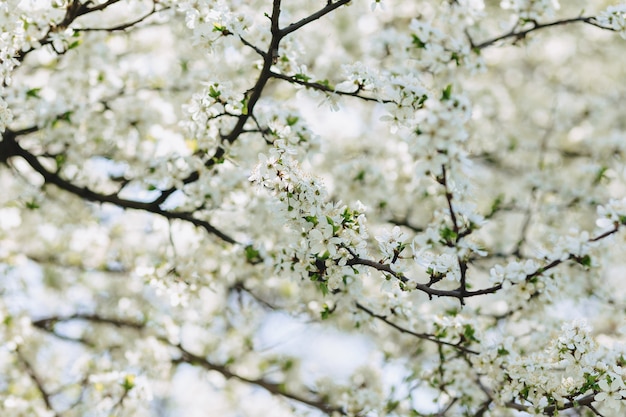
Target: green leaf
[[469, 333], [417, 42], [325, 83], [584, 261], [302, 77], [33, 93], [74, 44], [447, 234], [332, 223], [60, 160], [447, 93], [323, 286], [252, 255], [326, 312], [32, 205], [184, 65], [129, 382], [600, 175], [496, 204], [311, 219], [214, 93]]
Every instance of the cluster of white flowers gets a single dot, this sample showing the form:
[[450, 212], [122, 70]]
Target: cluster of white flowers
[[326, 229], [210, 110], [360, 77], [612, 215], [531, 9], [407, 95], [436, 51], [614, 17], [514, 272], [465, 11], [570, 366], [441, 132], [211, 20], [576, 243], [391, 243]]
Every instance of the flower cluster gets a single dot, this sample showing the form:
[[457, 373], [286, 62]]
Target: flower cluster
[[211, 110], [612, 215], [614, 17], [514, 272], [436, 51], [531, 9], [330, 233], [575, 244], [570, 367], [440, 133], [211, 20]]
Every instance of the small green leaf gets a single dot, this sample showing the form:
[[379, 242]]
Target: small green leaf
[[496, 204], [600, 175], [584, 261], [302, 77], [417, 42], [129, 382], [33, 93], [214, 93], [60, 160], [32, 205], [469, 333], [447, 234], [447, 93], [325, 83], [74, 44], [326, 312], [252, 255]]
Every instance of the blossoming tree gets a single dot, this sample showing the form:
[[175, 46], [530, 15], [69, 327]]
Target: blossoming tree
[[437, 183]]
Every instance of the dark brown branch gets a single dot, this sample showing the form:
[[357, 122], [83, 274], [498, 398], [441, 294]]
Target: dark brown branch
[[325, 88], [45, 396], [87, 194], [423, 336], [124, 26], [84, 10], [311, 18], [272, 388], [549, 411], [460, 293], [521, 34], [47, 324]]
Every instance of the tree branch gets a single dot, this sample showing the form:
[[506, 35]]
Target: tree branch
[[87, 194], [521, 34], [272, 388], [45, 396], [47, 324], [423, 336], [125, 26], [311, 18]]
